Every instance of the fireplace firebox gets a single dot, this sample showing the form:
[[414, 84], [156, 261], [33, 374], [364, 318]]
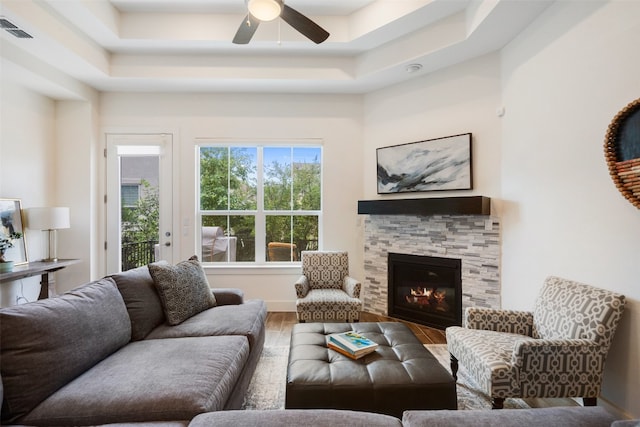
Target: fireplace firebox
[[425, 289]]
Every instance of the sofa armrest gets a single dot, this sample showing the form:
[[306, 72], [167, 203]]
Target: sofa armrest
[[511, 321], [302, 287], [228, 296], [352, 287]]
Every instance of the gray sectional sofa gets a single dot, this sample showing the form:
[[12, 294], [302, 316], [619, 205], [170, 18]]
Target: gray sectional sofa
[[104, 353]]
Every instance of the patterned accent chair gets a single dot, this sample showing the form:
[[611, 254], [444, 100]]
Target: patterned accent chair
[[558, 350], [325, 291]]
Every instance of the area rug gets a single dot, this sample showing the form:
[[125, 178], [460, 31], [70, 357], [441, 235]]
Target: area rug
[[268, 385]]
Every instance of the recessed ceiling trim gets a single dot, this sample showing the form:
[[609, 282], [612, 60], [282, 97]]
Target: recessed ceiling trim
[[149, 50]]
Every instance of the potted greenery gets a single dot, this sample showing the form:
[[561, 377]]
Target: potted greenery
[[6, 242]]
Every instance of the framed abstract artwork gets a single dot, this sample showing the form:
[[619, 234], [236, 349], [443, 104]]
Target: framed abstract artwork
[[431, 165]]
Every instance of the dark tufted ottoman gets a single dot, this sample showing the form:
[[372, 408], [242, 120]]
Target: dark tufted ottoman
[[400, 375]]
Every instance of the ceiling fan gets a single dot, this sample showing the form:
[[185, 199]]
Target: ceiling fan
[[268, 10]]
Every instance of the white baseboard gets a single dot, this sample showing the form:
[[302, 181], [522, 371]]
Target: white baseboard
[[615, 410]]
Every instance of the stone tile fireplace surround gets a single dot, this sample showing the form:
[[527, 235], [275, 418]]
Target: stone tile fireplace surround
[[474, 239]]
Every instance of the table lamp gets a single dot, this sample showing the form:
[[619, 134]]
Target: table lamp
[[51, 220]]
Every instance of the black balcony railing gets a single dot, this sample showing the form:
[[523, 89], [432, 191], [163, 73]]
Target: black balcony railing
[[137, 254]]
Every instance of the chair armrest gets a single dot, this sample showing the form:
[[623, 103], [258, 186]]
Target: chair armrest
[[228, 296], [352, 287], [526, 349], [574, 363], [511, 321], [302, 287]]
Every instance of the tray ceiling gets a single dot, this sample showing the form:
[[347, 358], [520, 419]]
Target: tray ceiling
[[185, 45]]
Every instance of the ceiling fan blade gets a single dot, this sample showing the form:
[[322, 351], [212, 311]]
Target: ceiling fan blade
[[304, 25], [246, 30]]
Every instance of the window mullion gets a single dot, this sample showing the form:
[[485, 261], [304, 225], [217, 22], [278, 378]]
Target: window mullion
[[291, 196], [228, 179], [261, 223]]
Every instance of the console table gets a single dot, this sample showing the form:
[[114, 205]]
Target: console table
[[35, 268]]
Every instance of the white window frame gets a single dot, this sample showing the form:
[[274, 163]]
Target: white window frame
[[260, 214]]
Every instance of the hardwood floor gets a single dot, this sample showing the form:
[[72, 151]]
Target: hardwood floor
[[279, 325]]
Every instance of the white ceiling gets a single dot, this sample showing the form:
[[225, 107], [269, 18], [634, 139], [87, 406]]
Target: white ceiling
[[185, 45]]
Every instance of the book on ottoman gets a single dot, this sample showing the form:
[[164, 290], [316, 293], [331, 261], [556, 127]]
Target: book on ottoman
[[351, 344]]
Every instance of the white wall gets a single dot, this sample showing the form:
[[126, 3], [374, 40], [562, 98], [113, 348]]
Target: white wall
[[26, 172], [77, 186], [334, 119], [564, 79], [46, 160], [459, 99]]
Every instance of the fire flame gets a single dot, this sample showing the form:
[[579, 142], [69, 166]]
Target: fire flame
[[428, 294]]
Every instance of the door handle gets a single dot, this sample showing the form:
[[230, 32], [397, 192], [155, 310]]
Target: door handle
[[168, 244]]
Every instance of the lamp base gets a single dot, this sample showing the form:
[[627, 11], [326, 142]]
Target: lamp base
[[52, 255]]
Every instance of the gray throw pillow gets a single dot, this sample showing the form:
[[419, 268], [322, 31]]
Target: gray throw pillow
[[183, 289], [142, 300]]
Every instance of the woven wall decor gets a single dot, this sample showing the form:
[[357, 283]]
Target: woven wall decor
[[622, 151]]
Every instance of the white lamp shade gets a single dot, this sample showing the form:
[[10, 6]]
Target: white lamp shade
[[265, 10], [48, 218]]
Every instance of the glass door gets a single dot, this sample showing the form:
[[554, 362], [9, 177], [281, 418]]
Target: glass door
[[139, 200]]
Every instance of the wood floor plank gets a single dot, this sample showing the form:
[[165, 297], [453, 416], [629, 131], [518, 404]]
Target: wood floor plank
[[279, 325]]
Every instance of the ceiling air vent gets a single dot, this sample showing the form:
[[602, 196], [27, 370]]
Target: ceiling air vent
[[13, 29], [4, 23]]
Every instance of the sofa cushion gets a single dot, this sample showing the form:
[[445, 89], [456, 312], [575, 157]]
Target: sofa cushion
[[183, 288], [142, 300], [47, 343], [244, 319], [295, 417], [149, 380], [568, 416]]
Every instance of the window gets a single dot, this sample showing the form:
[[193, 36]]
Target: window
[[130, 195], [259, 204]]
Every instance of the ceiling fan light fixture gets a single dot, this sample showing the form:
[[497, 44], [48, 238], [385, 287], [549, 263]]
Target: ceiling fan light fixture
[[265, 10]]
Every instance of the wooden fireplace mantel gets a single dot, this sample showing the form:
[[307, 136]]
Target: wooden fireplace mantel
[[467, 205]]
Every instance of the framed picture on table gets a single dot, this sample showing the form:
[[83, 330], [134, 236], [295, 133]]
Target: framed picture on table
[[12, 231]]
